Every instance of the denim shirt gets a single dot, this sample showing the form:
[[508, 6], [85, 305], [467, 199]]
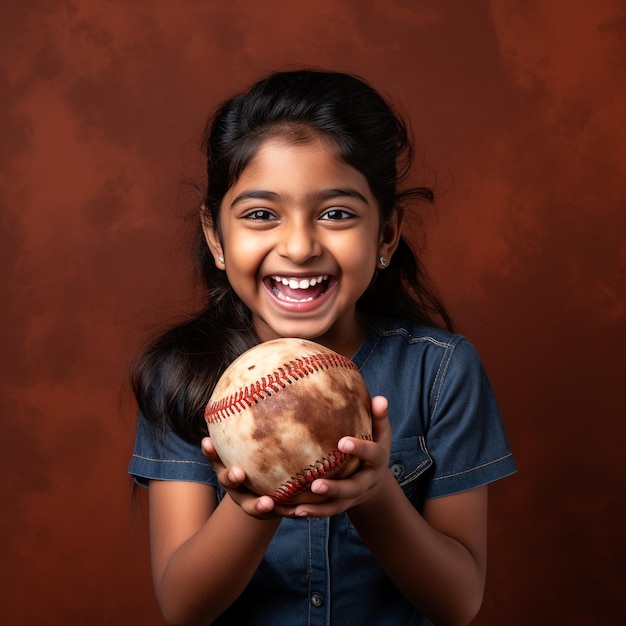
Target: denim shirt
[[447, 437]]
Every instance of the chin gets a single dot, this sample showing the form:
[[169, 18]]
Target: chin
[[299, 330]]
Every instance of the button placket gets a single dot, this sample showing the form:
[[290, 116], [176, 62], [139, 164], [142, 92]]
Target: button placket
[[319, 572]]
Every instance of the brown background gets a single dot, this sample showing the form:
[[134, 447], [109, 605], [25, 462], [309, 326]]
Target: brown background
[[518, 108]]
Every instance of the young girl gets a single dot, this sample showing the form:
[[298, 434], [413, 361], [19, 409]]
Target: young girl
[[301, 236]]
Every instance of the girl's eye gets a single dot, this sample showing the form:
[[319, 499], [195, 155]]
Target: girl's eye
[[336, 214], [260, 215]]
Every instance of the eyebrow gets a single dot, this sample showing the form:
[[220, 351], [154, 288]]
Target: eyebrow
[[325, 194]]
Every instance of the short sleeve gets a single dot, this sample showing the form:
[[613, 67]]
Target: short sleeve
[[466, 437], [167, 456]]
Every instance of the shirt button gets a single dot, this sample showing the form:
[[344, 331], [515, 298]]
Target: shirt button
[[317, 599], [397, 470]]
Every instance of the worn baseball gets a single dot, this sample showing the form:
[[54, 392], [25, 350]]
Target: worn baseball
[[280, 409]]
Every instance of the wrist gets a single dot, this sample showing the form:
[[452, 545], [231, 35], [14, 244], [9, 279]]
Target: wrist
[[382, 496], [248, 513]]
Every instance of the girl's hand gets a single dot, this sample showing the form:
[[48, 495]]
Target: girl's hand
[[341, 495], [367, 482], [232, 479]]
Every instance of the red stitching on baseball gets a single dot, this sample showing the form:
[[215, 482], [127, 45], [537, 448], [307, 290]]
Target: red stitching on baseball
[[282, 376], [301, 482]]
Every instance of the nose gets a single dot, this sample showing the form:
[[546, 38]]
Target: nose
[[299, 241]]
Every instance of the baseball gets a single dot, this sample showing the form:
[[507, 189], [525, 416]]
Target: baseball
[[278, 412]]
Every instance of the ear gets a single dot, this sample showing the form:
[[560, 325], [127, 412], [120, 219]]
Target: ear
[[212, 237], [390, 232]]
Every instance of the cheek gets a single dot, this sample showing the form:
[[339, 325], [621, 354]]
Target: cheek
[[360, 269], [362, 255], [241, 248]]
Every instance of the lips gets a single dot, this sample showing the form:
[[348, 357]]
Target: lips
[[298, 289]]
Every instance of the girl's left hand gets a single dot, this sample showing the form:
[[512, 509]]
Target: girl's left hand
[[367, 482]]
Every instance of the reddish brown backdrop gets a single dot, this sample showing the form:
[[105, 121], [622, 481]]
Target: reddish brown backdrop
[[518, 108]]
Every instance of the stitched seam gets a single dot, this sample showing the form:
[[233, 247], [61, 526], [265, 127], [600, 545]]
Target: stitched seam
[[290, 489], [411, 339], [420, 468], [184, 462], [473, 469], [289, 373], [309, 572], [415, 473], [448, 353], [266, 386], [371, 352]]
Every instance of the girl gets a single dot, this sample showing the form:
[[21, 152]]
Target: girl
[[301, 235]]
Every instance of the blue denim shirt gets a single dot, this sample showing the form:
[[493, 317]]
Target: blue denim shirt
[[447, 437]]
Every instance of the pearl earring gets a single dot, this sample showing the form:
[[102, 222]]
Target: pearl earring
[[383, 261], [220, 259]]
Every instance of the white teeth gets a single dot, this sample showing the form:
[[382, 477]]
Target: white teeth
[[281, 296], [294, 283]]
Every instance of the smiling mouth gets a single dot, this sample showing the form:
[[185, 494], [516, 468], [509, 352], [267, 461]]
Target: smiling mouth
[[292, 289]]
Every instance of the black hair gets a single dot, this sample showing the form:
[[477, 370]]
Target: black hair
[[174, 378]]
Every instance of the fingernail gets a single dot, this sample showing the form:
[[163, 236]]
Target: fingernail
[[346, 446], [319, 488]]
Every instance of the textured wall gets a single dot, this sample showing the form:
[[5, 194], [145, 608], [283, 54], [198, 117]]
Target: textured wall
[[519, 112]]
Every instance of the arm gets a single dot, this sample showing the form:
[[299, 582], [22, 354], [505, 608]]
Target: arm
[[203, 555], [437, 561]]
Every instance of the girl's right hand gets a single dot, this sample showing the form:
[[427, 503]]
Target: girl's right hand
[[232, 479]]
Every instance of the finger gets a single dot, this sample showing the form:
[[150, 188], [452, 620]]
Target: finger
[[258, 507], [381, 435], [380, 422], [380, 404], [370, 452], [380, 426], [328, 508], [231, 477], [328, 488], [361, 448], [236, 475], [344, 489], [208, 449], [264, 504], [284, 510]]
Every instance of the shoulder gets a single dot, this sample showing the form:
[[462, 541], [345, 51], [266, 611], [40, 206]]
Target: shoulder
[[421, 364], [404, 341], [164, 455], [437, 384]]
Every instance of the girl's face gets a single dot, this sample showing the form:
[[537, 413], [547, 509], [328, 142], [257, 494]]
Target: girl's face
[[301, 238]]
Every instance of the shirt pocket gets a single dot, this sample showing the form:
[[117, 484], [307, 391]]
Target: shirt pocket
[[408, 461]]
